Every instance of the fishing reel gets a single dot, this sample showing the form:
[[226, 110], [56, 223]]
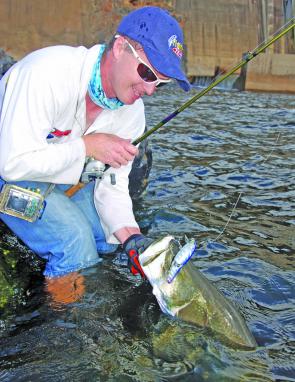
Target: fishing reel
[[93, 170]]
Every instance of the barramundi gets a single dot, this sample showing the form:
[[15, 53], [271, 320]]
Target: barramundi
[[190, 296]]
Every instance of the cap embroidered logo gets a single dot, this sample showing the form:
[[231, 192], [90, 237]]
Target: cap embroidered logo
[[176, 46]]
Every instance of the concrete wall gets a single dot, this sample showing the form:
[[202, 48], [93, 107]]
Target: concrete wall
[[272, 72], [217, 32]]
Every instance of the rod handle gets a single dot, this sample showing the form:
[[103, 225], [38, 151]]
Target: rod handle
[[72, 190]]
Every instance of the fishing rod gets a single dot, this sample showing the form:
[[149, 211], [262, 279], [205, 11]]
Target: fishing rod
[[247, 58]]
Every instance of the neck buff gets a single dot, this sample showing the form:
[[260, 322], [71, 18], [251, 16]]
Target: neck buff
[[96, 91]]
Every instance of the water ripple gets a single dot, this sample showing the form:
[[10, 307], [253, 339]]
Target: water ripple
[[229, 144]]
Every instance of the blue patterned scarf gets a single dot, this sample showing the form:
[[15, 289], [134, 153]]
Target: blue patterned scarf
[[96, 91]]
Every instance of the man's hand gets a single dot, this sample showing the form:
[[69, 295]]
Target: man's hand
[[109, 149], [133, 247]]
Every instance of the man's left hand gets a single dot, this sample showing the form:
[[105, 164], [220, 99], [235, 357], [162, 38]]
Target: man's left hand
[[133, 247]]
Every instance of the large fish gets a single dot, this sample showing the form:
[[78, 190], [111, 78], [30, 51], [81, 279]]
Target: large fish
[[190, 295]]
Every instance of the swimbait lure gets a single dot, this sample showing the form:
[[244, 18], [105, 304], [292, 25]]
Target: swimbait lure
[[181, 258]]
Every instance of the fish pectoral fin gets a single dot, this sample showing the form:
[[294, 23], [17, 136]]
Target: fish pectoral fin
[[194, 313], [180, 309]]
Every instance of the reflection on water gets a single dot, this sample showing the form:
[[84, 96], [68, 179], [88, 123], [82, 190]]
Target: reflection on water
[[227, 145]]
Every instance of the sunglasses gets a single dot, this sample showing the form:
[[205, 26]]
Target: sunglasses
[[145, 72]]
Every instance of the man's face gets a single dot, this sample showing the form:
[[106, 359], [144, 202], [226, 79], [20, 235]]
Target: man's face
[[126, 81]]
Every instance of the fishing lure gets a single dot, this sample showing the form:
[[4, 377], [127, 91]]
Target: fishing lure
[[181, 258]]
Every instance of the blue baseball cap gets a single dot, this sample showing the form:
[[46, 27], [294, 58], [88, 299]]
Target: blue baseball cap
[[161, 38]]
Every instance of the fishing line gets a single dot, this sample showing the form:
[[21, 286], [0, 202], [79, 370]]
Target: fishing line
[[240, 194], [227, 223], [276, 142]]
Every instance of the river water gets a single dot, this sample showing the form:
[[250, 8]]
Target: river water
[[223, 173]]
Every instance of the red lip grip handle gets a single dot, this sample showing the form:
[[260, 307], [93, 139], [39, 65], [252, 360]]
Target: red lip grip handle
[[135, 266]]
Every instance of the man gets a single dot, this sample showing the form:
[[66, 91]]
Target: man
[[61, 106]]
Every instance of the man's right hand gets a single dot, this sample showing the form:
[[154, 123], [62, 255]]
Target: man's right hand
[[109, 149]]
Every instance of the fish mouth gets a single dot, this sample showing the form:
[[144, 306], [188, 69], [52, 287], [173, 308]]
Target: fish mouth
[[146, 260], [154, 250]]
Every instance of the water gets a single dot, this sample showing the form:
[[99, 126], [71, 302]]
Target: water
[[230, 83], [227, 145]]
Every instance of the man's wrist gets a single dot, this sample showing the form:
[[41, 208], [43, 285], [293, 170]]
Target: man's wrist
[[124, 233]]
